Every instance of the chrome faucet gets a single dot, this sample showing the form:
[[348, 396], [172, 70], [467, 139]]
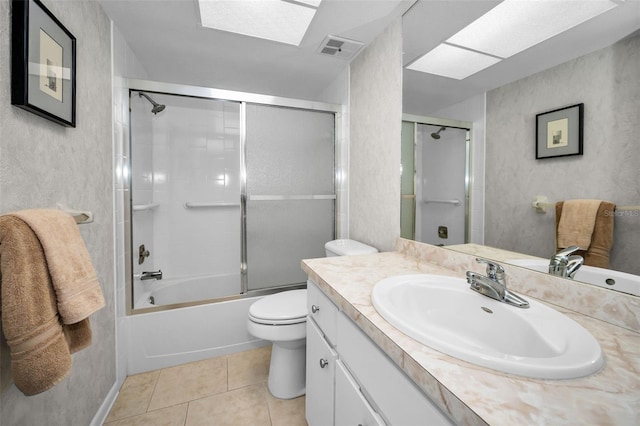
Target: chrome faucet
[[494, 285], [563, 265], [152, 275]]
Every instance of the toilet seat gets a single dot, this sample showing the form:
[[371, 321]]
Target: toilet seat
[[285, 308]]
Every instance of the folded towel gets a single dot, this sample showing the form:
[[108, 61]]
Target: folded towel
[[40, 344], [599, 250], [576, 223], [78, 291]]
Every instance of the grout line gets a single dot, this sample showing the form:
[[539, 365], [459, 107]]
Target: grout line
[[153, 392]]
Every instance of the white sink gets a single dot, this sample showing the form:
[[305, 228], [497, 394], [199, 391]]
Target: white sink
[[445, 314], [621, 281]]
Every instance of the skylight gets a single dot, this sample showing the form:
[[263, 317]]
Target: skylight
[[509, 28], [276, 20], [453, 62]]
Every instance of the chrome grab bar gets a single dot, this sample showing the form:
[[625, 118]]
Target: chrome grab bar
[[290, 197], [190, 205], [142, 207], [455, 202]]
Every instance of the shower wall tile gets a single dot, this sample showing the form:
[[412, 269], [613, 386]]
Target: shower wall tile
[[195, 158], [375, 137], [43, 163], [606, 81]]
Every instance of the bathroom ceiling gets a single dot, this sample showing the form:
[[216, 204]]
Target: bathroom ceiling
[[168, 39], [172, 46]]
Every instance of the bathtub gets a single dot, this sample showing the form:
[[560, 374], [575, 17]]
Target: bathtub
[[176, 336], [184, 290]]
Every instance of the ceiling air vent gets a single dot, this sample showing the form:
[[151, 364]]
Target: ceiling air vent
[[339, 47]]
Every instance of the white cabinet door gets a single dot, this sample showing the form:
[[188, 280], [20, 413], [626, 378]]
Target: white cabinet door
[[351, 407], [323, 311], [394, 394], [321, 365]]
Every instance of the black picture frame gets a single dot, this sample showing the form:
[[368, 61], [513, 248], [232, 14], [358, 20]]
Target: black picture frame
[[559, 132], [43, 63]]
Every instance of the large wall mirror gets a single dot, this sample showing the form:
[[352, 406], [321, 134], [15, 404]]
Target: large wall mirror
[[596, 62]]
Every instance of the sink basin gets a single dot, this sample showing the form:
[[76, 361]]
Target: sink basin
[[445, 314], [621, 281]]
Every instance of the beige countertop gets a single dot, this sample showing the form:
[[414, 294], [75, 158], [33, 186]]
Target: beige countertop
[[476, 395]]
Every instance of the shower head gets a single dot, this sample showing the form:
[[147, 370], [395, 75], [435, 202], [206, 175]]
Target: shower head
[[436, 135], [156, 106]]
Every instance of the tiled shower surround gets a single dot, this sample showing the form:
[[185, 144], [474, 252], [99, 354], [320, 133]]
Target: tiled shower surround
[[188, 153]]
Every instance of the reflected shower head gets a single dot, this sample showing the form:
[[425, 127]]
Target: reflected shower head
[[436, 135], [156, 106]]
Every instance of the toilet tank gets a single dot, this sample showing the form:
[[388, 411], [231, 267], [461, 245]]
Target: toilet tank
[[345, 247]]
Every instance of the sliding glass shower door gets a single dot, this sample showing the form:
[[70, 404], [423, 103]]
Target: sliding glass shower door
[[290, 194], [227, 196]]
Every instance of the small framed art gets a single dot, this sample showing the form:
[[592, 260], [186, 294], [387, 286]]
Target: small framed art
[[43, 63], [559, 132]]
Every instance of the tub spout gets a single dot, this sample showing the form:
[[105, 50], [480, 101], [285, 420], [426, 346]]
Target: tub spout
[[152, 275]]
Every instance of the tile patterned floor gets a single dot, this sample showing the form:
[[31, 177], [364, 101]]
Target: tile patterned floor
[[228, 390]]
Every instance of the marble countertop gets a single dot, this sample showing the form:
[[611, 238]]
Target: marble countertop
[[476, 395]]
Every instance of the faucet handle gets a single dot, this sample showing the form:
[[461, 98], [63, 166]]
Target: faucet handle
[[564, 253], [494, 270]]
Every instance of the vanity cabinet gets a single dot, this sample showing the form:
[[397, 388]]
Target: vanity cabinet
[[350, 381]]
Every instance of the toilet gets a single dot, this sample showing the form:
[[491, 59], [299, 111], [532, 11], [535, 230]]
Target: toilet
[[282, 319], [347, 247]]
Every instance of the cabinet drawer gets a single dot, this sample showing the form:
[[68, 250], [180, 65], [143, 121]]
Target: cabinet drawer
[[322, 310], [399, 400], [321, 366], [351, 406]]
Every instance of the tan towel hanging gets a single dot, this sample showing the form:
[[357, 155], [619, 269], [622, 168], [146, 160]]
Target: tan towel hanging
[[40, 344], [601, 238]]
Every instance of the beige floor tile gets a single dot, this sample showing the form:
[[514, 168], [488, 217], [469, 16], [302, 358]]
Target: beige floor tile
[[171, 416], [190, 381], [286, 412], [134, 395], [249, 367], [244, 406]]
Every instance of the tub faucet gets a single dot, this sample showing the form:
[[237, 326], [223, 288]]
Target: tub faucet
[[494, 285], [152, 275], [563, 265]]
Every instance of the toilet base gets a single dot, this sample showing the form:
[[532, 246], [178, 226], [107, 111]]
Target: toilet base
[[287, 372]]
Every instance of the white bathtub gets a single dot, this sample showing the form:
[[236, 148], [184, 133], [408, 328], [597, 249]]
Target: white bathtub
[[177, 336], [184, 290]]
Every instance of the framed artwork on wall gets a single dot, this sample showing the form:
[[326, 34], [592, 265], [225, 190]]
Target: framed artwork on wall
[[559, 132], [43, 63]]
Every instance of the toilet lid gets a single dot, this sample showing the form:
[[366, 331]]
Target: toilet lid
[[285, 307]]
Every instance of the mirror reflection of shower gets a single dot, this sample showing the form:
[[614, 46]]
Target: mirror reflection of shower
[[435, 182], [436, 135], [156, 106]]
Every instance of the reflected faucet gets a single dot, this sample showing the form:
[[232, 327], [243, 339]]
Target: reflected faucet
[[563, 265], [494, 285], [151, 275]]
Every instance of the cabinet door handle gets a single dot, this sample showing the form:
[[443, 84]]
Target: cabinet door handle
[[315, 309], [323, 363]]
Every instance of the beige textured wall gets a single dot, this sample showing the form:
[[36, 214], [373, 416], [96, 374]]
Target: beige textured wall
[[42, 163], [375, 135], [607, 82]]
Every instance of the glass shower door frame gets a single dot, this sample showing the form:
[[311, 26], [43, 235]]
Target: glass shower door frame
[[243, 98]]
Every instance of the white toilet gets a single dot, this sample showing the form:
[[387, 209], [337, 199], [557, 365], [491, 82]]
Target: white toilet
[[282, 319]]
